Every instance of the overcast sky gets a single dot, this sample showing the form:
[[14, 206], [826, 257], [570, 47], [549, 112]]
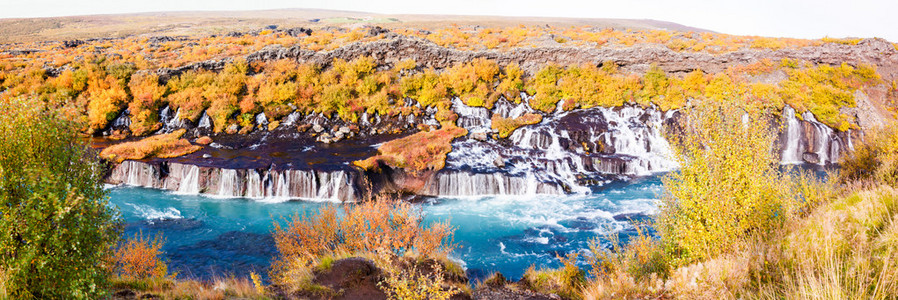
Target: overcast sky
[[789, 18]]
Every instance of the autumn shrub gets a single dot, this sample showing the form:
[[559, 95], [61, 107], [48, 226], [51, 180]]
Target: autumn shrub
[[543, 87], [411, 283], [473, 82], [632, 270], [138, 258], [161, 146], [146, 101], [824, 89], [511, 83], [224, 94], [106, 100], [566, 281], [875, 160], [419, 152], [728, 188], [57, 226], [425, 87], [188, 93], [506, 126], [387, 226]]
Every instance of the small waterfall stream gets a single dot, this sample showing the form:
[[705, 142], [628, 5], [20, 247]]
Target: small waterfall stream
[[809, 141]]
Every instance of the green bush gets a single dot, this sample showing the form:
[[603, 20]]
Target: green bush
[[729, 187], [57, 229]]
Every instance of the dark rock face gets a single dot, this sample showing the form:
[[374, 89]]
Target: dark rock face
[[72, 43], [637, 58]]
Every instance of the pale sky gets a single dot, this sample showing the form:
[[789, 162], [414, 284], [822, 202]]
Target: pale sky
[[779, 18]]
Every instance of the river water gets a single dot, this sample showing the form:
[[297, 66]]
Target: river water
[[208, 236]]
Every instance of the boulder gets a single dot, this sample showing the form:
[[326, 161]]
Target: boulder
[[480, 136], [317, 128], [811, 158]]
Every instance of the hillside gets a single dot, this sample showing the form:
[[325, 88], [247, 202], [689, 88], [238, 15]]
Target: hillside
[[206, 23]]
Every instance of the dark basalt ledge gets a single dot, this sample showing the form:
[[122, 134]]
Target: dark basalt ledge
[[637, 58]]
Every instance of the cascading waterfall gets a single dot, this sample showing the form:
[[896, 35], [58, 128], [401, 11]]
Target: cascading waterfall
[[565, 153], [629, 135], [792, 141], [205, 121], [228, 183], [809, 141], [190, 180], [474, 119], [247, 183], [123, 120], [254, 188], [548, 158], [826, 147]]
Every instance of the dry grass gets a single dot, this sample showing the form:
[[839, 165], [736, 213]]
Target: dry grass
[[161, 146], [418, 152], [3, 278], [219, 288], [847, 249], [567, 281]]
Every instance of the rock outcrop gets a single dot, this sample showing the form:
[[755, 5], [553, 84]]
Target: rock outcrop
[[637, 58]]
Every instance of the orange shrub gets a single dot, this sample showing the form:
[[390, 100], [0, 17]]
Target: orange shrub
[[106, 99], [144, 107], [138, 258], [161, 146], [418, 152], [379, 225], [506, 126]]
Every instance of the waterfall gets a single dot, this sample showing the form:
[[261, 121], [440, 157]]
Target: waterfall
[[261, 120], [254, 188], [170, 122], [827, 145], [560, 154], [123, 120], [474, 119], [205, 121], [228, 183], [629, 135], [249, 183], [292, 118], [190, 180], [791, 152], [810, 141], [454, 183]]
